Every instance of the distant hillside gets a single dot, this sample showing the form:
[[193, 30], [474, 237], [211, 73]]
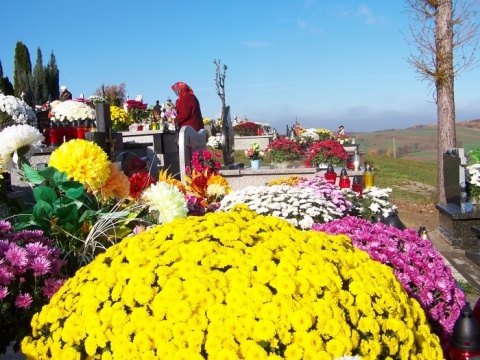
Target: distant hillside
[[417, 142]]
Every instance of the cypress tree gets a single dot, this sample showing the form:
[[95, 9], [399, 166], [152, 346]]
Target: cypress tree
[[22, 73], [39, 78], [52, 78], [6, 86]]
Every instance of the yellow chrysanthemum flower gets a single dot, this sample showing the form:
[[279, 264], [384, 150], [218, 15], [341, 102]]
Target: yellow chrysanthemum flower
[[83, 161], [196, 287]]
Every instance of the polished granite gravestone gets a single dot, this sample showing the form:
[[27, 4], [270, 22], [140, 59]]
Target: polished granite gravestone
[[474, 255], [457, 217], [228, 142]]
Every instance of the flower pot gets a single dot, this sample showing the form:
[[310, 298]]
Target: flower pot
[[255, 164], [283, 165]]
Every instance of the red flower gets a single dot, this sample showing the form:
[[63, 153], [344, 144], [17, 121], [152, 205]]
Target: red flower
[[327, 151], [139, 182]]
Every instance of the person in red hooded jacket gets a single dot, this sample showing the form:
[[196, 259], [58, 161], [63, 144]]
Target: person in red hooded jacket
[[187, 107]]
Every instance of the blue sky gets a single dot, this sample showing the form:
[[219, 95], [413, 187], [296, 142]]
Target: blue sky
[[322, 62]]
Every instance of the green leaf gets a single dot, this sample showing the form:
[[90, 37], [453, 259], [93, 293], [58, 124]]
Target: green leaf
[[44, 193], [89, 214], [72, 189], [47, 172], [58, 178], [32, 175], [42, 210], [67, 214]]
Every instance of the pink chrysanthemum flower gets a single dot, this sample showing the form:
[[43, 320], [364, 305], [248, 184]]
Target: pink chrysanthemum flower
[[23, 301], [40, 266], [17, 256], [3, 292], [51, 287]]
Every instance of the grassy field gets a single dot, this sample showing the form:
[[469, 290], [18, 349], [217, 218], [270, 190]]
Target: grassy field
[[418, 144]]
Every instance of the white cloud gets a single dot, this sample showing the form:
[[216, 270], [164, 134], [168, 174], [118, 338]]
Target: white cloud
[[365, 13]]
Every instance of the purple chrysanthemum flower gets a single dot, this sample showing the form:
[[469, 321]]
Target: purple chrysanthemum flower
[[40, 265], [17, 256], [51, 287], [23, 301], [3, 292], [5, 227], [416, 263], [6, 275]]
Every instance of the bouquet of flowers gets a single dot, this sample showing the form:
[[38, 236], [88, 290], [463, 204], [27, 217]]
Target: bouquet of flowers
[[137, 110], [254, 152], [282, 150], [376, 200], [204, 161], [120, 118], [71, 110], [326, 152], [18, 110]]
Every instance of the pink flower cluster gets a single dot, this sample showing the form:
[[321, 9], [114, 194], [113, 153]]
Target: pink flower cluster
[[330, 192], [416, 263], [30, 268], [204, 161]]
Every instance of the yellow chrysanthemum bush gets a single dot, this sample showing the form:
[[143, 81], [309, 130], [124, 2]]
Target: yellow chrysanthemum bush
[[233, 285], [120, 118]]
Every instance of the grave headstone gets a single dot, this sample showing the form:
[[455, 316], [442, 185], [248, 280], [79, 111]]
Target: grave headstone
[[103, 137], [455, 218], [228, 141], [189, 141], [454, 162]]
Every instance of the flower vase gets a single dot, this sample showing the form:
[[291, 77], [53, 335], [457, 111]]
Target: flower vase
[[255, 164]]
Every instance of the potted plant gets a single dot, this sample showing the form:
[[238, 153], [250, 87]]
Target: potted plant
[[283, 151], [255, 154], [326, 152]]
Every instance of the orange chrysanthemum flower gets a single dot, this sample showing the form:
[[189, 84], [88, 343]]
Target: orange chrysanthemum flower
[[117, 185]]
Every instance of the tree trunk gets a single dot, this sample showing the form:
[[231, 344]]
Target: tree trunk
[[445, 89]]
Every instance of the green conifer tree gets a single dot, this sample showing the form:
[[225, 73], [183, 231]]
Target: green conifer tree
[[22, 70], [52, 76], [39, 79]]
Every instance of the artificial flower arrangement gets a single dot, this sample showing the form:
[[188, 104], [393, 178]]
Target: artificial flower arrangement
[[326, 152], [227, 285], [416, 263], [19, 110], [81, 202], [95, 99], [71, 110], [137, 111], [282, 150], [17, 144], [325, 134], [120, 118], [254, 152], [30, 273], [205, 186]]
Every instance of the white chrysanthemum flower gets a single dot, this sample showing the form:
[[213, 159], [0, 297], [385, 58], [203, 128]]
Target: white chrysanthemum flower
[[167, 200], [17, 142], [18, 109], [296, 205], [71, 110]]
